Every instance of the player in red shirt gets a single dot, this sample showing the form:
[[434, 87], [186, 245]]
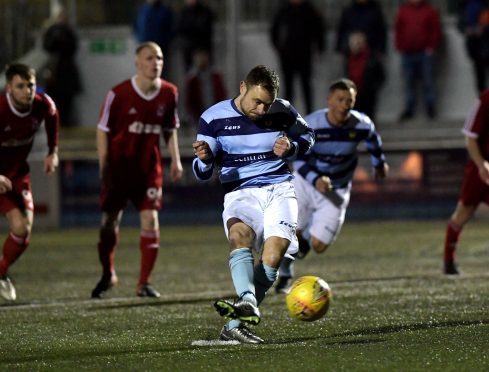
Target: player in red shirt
[[22, 111], [134, 116], [475, 186]]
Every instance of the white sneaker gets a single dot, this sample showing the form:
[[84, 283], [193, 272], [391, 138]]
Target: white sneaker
[[7, 289]]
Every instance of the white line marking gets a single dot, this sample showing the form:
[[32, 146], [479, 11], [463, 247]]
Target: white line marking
[[214, 343]]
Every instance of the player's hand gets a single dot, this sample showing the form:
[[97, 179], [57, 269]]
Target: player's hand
[[281, 146], [484, 172], [51, 163], [5, 184], [381, 172], [202, 151], [176, 170], [323, 184]]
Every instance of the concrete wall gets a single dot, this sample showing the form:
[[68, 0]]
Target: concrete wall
[[106, 58]]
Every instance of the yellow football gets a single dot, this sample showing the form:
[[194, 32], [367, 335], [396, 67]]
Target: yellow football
[[308, 298]]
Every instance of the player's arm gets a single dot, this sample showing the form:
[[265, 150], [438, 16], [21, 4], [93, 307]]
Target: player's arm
[[51, 161], [374, 147], [102, 151], [475, 154], [176, 169], [51, 124], [205, 148], [5, 184], [301, 137]]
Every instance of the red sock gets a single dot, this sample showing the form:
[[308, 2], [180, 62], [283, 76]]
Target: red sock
[[149, 245], [13, 247], [106, 250], [451, 239]]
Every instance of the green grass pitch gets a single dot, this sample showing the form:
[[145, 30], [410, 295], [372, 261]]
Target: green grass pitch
[[392, 309]]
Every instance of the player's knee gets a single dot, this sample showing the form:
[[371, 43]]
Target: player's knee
[[318, 246], [21, 228], [240, 235]]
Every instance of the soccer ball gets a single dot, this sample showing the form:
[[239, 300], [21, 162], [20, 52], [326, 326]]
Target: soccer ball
[[308, 298]]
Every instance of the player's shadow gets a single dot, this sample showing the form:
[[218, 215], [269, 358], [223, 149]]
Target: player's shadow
[[411, 327], [159, 302], [327, 340]]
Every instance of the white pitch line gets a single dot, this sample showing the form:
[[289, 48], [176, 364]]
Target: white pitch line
[[214, 343]]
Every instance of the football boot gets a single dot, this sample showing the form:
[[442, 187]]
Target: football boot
[[240, 309], [241, 334], [7, 289]]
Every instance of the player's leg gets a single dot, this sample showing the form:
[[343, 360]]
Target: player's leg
[[245, 309], [241, 261], [280, 226], [243, 225], [20, 225], [306, 201], [472, 193], [428, 84], [408, 68], [461, 215], [149, 244], [108, 239], [328, 218]]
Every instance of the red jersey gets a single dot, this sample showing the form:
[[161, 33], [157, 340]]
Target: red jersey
[[134, 123], [477, 123], [17, 130], [417, 27]]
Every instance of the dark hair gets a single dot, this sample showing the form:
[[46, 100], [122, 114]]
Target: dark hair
[[342, 84], [265, 77], [24, 71]]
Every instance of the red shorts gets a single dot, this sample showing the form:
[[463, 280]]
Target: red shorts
[[474, 190], [114, 197], [19, 197]]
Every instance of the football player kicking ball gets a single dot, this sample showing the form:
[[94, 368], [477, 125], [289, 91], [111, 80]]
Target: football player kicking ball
[[251, 138], [22, 111], [135, 115], [475, 186], [323, 176]]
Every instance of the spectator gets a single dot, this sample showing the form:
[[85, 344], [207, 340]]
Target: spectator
[[417, 36], [365, 69], [365, 16], [473, 21], [62, 78], [195, 27], [154, 22], [204, 86], [297, 32]]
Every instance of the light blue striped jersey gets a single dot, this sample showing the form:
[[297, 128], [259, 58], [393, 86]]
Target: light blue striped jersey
[[334, 153], [242, 148]]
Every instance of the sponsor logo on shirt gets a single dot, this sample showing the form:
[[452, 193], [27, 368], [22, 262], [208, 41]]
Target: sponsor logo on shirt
[[140, 128]]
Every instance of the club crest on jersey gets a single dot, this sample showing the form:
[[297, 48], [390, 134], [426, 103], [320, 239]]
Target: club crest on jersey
[[352, 134], [160, 110]]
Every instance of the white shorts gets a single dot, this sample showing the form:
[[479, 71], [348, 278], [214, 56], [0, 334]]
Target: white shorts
[[269, 211], [320, 215]]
